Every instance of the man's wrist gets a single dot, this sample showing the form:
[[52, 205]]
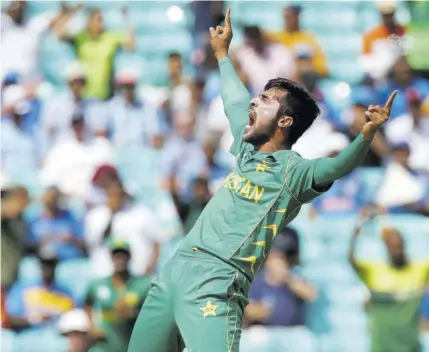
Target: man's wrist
[[369, 134], [220, 56]]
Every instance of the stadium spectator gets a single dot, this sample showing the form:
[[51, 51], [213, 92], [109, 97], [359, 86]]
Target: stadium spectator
[[75, 326], [404, 80], [413, 128], [20, 146], [361, 99], [413, 195], [39, 302], [190, 212], [96, 48], [346, 195], [60, 109], [122, 218], [132, 122], [103, 177], [217, 169], [21, 38], [396, 289], [261, 60], [72, 161], [425, 311], [119, 297], [56, 229], [278, 295], [14, 231], [294, 37], [183, 157]]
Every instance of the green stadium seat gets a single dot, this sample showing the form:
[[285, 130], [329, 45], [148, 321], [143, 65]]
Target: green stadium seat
[[75, 274], [29, 269], [41, 340]]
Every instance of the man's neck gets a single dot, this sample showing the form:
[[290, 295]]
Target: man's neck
[[271, 146]]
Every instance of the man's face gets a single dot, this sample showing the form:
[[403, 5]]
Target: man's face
[[115, 198], [77, 86], [388, 19], [175, 66], [120, 260], [401, 156], [78, 341], [395, 249], [291, 20], [95, 23], [51, 198], [402, 71], [262, 117]]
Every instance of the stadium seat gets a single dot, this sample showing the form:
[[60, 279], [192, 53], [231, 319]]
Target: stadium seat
[[41, 340], [75, 274], [29, 269], [8, 341], [371, 178]]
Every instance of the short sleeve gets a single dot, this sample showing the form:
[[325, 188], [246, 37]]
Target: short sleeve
[[300, 179], [364, 270], [117, 38]]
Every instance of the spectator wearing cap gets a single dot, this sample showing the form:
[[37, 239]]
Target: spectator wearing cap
[[261, 60], [39, 302], [56, 229], [114, 302], [293, 37], [104, 176], [96, 48], [277, 294], [75, 327], [20, 146], [396, 288], [403, 79], [355, 118], [60, 110], [121, 217], [346, 196], [132, 122], [413, 128]]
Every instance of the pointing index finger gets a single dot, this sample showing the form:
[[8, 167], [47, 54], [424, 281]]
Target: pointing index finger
[[228, 18], [389, 102]]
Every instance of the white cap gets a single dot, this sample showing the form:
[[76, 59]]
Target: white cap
[[15, 96], [386, 7], [75, 71], [75, 320], [127, 76]]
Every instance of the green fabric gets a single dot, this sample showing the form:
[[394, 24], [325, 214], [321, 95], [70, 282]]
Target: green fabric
[[97, 55], [394, 323], [102, 297], [199, 295], [264, 192]]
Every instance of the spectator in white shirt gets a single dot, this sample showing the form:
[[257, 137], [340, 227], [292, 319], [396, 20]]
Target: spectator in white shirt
[[130, 121], [20, 39], [122, 218], [413, 128], [59, 110], [261, 60]]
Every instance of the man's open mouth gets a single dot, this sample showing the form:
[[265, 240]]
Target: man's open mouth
[[252, 117]]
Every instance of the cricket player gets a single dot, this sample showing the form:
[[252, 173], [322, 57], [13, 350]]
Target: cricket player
[[201, 293]]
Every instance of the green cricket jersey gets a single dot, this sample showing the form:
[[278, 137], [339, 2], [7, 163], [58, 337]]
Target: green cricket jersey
[[102, 297], [260, 196]]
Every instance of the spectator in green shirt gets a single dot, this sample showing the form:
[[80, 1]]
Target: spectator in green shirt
[[114, 302], [96, 48]]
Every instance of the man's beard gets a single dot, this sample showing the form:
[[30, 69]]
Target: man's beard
[[258, 138]]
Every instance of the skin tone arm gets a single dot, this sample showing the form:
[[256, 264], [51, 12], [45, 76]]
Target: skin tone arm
[[130, 43], [59, 24]]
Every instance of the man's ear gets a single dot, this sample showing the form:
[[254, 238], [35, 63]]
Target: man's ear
[[285, 121]]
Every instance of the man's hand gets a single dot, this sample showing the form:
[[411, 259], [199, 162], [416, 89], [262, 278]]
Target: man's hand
[[221, 37], [376, 117]]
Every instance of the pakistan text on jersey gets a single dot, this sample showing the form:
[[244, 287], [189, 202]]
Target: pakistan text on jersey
[[241, 185]]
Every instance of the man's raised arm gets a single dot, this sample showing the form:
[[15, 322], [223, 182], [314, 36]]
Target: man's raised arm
[[327, 170], [235, 97]]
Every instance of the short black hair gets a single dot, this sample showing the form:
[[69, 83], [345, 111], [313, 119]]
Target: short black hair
[[252, 32], [175, 55], [298, 103]]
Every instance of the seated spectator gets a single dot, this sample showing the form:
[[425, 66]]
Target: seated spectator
[[278, 295], [183, 158], [59, 110], [261, 60], [345, 195], [413, 195], [294, 37], [122, 218], [71, 162], [40, 302], [382, 43], [56, 229], [190, 212], [402, 79], [396, 289], [413, 128], [96, 48], [14, 230], [75, 326], [361, 98], [119, 297], [21, 36], [104, 176], [20, 148], [217, 169], [130, 121]]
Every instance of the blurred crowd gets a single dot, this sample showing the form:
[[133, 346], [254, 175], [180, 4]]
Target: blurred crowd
[[84, 226]]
